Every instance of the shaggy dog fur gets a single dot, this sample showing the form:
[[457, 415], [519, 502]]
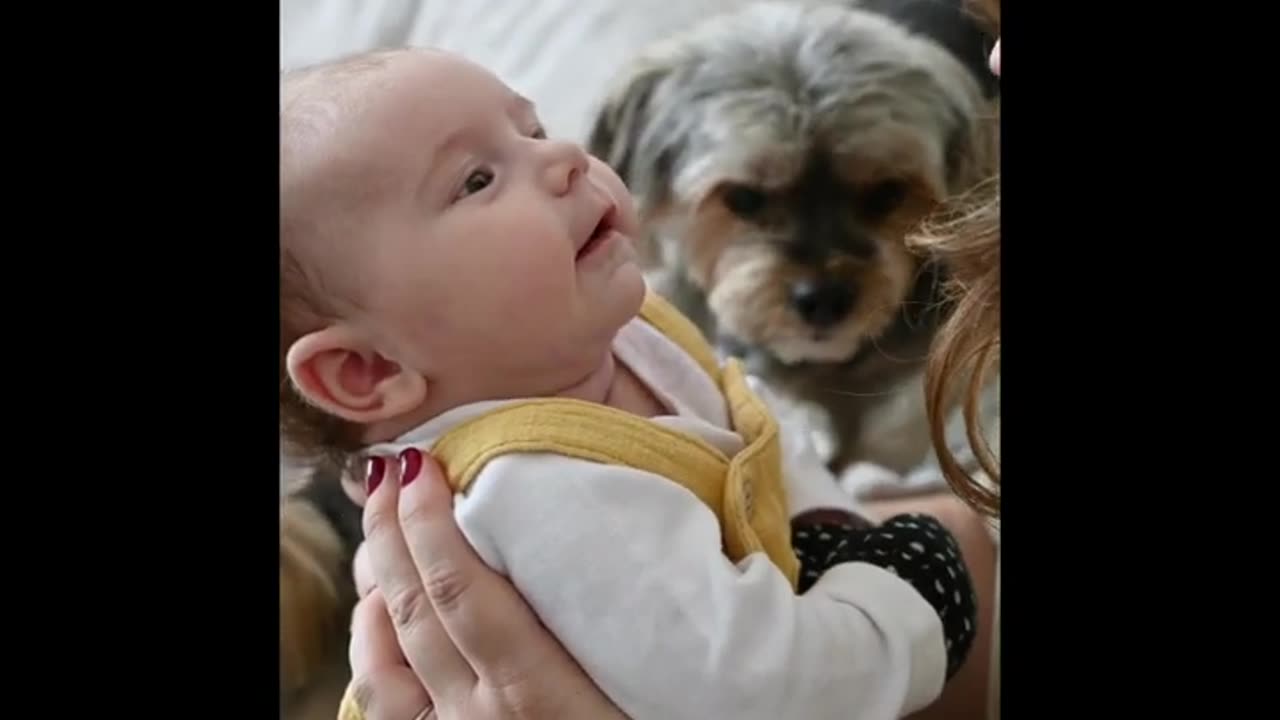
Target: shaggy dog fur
[[780, 154]]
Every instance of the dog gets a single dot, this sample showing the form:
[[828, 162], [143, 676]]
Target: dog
[[780, 154], [319, 532]]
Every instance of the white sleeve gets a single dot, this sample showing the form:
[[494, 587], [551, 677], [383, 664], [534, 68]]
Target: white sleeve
[[625, 568]]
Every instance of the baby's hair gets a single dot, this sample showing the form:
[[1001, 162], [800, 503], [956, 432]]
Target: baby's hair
[[309, 434], [966, 236], [311, 100]]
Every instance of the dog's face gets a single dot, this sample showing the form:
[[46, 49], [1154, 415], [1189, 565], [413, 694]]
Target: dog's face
[[780, 154]]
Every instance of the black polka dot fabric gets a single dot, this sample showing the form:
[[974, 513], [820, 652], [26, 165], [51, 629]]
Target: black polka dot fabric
[[918, 549]]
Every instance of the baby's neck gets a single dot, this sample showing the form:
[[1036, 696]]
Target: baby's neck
[[596, 386], [615, 385]]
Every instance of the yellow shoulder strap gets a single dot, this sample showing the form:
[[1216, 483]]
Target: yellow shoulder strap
[[587, 431], [669, 321]]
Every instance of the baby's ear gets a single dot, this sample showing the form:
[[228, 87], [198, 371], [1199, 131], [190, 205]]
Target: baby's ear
[[340, 372]]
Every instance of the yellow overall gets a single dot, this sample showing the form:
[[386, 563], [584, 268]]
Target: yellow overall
[[745, 492]]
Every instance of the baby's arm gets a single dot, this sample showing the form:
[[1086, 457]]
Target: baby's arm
[[829, 530], [626, 569]]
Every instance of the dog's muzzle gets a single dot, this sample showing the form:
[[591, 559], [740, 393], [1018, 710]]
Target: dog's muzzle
[[822, 303]]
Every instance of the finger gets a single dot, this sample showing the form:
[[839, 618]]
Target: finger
[[425, 644], [374, 645], [383, 684], [362, 571], [357, 490], [390, 695], [490, 624]]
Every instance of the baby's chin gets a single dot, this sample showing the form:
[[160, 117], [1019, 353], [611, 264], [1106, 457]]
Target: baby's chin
[[619, 302], [630, 287]]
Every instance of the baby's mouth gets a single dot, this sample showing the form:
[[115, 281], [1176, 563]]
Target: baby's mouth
[[598, 234]]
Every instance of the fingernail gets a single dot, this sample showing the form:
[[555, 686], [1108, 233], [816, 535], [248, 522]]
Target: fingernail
[[374, 470], [410, 465], [994, 60]]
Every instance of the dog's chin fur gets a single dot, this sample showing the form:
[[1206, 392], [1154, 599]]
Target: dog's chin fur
[[821, 112], [749, 302]]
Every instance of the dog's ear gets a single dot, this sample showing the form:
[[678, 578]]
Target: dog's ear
[[622, 118], [622, 134], [972, 154]]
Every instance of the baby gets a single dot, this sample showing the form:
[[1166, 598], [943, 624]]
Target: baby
[[454, 282]]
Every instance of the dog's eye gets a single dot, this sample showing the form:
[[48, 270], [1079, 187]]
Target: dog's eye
[[743, 201], [884, 197]]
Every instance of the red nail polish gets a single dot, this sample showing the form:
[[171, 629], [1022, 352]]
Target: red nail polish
[[374, 470], [410, 465]]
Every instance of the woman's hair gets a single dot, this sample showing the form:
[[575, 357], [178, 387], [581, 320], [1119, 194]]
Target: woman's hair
[[965, 236]]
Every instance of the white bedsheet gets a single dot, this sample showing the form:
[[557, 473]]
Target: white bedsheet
[[560, 53]]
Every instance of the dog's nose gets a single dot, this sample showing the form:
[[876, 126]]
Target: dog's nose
[[822, 303]]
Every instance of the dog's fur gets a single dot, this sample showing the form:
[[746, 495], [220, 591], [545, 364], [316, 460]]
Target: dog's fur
[[780, 153], [319, 531]]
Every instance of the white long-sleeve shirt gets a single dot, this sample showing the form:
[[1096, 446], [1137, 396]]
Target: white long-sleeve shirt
[[627, 570]]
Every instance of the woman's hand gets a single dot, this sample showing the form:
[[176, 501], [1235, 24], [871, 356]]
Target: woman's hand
[[437, 628]]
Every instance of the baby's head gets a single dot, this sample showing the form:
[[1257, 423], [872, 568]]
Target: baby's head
[[436, 249]]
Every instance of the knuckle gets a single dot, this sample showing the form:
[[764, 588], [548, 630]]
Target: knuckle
[[445, 586], [377, 522], [407, 606], [521, 703]]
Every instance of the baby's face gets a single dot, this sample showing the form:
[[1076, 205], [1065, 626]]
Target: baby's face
[[490, 256]]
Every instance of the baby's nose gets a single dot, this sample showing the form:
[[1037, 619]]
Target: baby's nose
[[566, 164]]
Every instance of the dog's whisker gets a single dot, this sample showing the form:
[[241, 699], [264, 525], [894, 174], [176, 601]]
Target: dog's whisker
[[875, 344], [850, 393]]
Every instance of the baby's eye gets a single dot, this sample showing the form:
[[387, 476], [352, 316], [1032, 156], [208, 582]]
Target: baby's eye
[[476, 182], [539, 133]]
